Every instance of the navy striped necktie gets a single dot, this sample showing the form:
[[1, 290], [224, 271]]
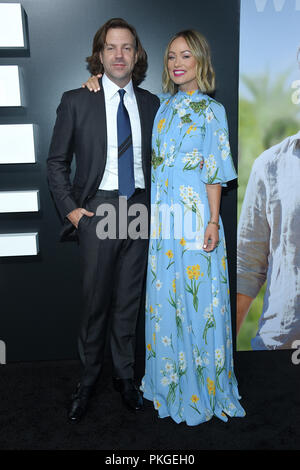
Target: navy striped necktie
[[125, 150]]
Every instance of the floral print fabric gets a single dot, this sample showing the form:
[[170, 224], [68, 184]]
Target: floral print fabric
[[189, 367]]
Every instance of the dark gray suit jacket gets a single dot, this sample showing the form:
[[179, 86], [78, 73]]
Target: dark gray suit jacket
[[80, 130]]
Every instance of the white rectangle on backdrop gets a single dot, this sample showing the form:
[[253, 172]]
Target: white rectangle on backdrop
[[19, 244], [11, 25], [19, 201], [10, 87], [17, 143]]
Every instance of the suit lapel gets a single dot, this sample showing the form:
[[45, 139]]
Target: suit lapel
[[100, 112]]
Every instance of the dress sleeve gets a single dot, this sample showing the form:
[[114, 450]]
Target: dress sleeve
[[218, 165]]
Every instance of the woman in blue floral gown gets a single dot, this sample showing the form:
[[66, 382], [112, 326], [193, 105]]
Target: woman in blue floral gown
[[189, 372]]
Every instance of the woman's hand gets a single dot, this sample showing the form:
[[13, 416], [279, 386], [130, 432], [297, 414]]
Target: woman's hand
[[211, 237], [93, 83]]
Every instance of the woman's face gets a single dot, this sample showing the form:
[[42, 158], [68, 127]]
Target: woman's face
[[182, 65]]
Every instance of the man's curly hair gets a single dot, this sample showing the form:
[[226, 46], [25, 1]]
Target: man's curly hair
[[94, 64]]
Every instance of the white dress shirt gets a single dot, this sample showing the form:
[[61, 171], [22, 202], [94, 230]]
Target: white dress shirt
[[269, 243], [112, 100]]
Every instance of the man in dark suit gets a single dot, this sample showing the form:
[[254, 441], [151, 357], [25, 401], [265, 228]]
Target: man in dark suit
[[110, 134]]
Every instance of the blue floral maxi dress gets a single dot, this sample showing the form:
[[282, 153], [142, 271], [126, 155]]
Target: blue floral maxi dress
[[189, 367]]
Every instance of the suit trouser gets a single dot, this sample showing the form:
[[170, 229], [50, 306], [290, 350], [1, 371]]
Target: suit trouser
[[113, 274]]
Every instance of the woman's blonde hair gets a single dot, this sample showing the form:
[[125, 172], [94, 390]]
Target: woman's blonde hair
[[205, 74]]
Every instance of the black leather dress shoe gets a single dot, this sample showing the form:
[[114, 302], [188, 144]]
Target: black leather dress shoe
[[79, 402], [131, 396]]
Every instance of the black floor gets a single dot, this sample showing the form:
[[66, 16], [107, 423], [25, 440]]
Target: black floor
[[33, 397]]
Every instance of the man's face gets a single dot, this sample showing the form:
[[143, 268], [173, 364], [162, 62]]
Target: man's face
[[119, 55]]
